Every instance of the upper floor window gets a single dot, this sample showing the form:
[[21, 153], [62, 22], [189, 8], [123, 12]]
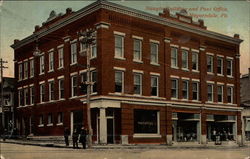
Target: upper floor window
[[51, 90], [20, 97], [32, 95], [51, 61], [174, 57], [137, 83], [25, 65], [60, 58], [73, 53], [154, 86], [210, 61], [154, 48], [32, 68], [195, 90], [220, 65], [229, 67], [174, 88], [73, 86], [220, 93], [94, 48], [61, 88], [137, 50], [210, 92], [26, 96], [42, 92], [94, 80], [195, 59], [119, 46], [230, 94], [119, 81], [42, 64], [185, 59], [20, 72], [185, 89]]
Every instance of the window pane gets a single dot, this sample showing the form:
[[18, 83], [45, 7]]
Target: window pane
[[118, 81]]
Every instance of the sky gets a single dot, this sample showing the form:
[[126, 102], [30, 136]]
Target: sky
[[18, 18]]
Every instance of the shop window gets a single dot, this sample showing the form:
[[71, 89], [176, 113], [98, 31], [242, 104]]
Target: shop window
[[146, 121]]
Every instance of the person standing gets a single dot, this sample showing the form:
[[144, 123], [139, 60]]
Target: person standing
[[83, 137], [66, 136], [75, 139]]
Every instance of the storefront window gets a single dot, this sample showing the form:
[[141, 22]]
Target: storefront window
[[146, 121]]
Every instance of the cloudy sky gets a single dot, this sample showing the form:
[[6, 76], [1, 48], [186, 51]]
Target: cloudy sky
[[18, 18]]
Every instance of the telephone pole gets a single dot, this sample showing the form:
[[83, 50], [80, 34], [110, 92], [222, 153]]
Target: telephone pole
[[2, 102]]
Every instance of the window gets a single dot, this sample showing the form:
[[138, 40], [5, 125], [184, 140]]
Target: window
[[220, 93], [25, 64], [32, 68], [210, 92], [41, 120], [61, 88], [20, 97], [174, 57], [51, 90], [51, 61], [174, 88], [210, 63], [146, 121], [137, 50], [94, 79], [73, 86], [50, 119], [32, 96], [154, 86], [26, 96], [137, 84], [230, 94], [20, 75], [154, 52], [185, 89], [94, 48], [84, 86], [60, 117], [185, 59], [195, 59], [42, 93], [229, 67], [220, 65], [42, 64], [119, 81], [119, 46], [73, 53], [195, 90], [60, 58]]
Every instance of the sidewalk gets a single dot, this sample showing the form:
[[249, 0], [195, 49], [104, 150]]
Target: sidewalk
[[185, 145]]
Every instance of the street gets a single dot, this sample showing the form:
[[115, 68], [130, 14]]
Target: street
[[16, 151]]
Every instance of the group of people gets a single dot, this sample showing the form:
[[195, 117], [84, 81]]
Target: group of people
[[75, 137]]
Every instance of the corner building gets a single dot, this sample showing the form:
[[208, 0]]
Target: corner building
[[158, 78]]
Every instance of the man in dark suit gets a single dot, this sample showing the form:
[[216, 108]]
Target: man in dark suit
[[83, 137]]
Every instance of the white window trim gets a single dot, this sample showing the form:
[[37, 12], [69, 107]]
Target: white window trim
[[140, 60], [231, 66], [42, 61], [173, 76], [119, 33], [40, 84], [185, 48], [197, 60], [51, 81], [60, 77], [72, 88], [25, 69], [222, 65], [157, 77], [185, 78], [137, 37], [157, 53], [196, 80], [195, 50], [212, 93], [119, 68], [187, 89], [59, 48], [140, 75], [138, 71], [74, 42], [198, 90], [174, 47], [122, 35], [59, 86], [232, 94], [122, 82], [212, 64], [154, 74]]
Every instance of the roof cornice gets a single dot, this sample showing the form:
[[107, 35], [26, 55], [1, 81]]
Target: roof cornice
[[124, 10]]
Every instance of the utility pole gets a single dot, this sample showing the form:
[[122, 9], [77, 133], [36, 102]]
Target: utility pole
[[88, 40], [2, 102]]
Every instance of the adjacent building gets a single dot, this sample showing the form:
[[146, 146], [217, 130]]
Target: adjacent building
[[157, 78], [245, 103]]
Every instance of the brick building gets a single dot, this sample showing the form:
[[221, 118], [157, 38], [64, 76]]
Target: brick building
[[158, 79]]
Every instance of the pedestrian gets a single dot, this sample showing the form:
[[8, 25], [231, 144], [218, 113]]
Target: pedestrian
[[75, 139], [83, 137], [66, 136]]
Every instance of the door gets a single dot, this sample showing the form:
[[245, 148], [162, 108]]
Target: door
[[110, 130], [77, 121]]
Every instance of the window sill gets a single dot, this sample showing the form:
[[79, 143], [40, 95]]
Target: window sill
[[174, 67], [137, 61], [197, 101], [120, 58], [210, 102], [221, 75], [183, 99], [154, 97], [41, 125], [196, 71], [41, 74], [74, 97], [50, 71], [229, 76], [25, 78], [210, 73], [19, 80], [50, 124], [60, 68], [174, 98], [91, 58], [147, 136], [61, 99], [72, 64], [59, 124], [31, 76], [185, 69], [155, 64]]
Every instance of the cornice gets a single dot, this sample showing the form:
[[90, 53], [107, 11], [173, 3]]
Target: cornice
[[124, 10]]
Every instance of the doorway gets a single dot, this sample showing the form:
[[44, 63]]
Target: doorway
[[110, 130], [76, 121]]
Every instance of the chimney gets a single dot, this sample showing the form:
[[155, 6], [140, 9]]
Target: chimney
[[201, 22], [236, 36], [37, 27], [68, 10], [16, 41]]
